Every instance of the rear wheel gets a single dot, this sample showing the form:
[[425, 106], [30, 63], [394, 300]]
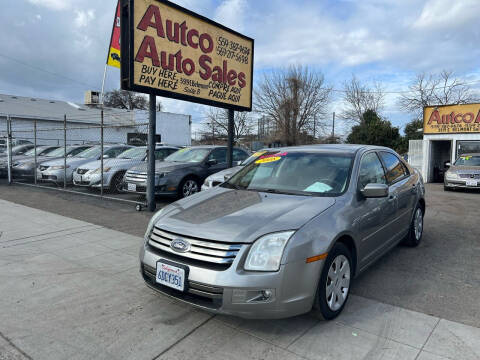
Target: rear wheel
[[416, 228], [334, 285], [188, 186]]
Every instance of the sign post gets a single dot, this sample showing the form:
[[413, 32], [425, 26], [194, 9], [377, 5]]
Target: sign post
[[231, 134], [152, 124]]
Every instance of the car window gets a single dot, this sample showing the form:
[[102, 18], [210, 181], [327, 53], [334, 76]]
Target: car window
[[161, 154], [114, 152], [371, 171], [134, 153], [239, 155], [219, 154], [78, 150], [395, 168], [188, 155]]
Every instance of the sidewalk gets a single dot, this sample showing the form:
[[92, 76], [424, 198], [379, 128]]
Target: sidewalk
[[71, 290]]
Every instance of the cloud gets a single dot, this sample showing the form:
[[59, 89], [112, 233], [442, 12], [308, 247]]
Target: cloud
[[231, 13], [437, 13], [52, 4], [83, 18]]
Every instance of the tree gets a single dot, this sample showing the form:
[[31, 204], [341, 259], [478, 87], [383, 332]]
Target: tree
[[375, 131], [217, 123], [411, 130], [295, 99], [359, 98], [435, 89], [122, 99]]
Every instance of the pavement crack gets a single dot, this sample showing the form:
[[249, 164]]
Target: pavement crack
[[184, 337], [428, 338], [10, 342]]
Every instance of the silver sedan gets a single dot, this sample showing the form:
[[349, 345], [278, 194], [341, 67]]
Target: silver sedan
[[464, 173], [286, 234]]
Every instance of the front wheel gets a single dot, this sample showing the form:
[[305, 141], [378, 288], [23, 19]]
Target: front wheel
[[334, 285], [415, 233], [188, 187]]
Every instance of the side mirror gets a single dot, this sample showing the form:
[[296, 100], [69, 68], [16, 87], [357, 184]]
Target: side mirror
[[106, 157], [237, 163], [448, 164], [375, 191], [211, 162]]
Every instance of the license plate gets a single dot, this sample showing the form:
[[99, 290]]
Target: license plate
[[171, 276], [472, 182], [131, 187]]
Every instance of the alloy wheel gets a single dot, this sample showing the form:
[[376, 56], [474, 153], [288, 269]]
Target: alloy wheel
[[418, 224], [189, 188], [338, 282]]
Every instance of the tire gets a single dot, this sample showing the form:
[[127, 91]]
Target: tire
[[115, 184], [188, 186], [336, 276], [446, 188], [415, 233]]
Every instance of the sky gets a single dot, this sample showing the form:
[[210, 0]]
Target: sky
[[56, 49]]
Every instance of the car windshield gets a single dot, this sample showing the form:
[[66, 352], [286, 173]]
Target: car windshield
[[188, 155], [468, 160], [40, 151], [134, 153], [252, 158], [299, 173], [92, 153], [60, 151]]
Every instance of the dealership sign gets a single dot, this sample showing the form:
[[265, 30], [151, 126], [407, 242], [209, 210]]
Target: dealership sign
[[170, 51], [451, 119]]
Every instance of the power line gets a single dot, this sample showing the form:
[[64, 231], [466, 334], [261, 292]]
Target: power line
[[46, 71]]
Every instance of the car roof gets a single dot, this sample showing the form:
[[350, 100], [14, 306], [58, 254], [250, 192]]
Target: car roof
[[330, 148]]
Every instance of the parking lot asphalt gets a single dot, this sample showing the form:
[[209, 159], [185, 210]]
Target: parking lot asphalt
[[71, 290], [441, 277]]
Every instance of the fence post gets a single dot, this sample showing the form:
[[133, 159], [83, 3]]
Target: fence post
[[35, 150], [9, 149], [101, 158], [65, 151]]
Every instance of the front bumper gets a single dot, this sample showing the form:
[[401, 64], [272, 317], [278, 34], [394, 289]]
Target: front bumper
[[55, 176], [91, 180], [231, 291], [162, 187], [461, 184], [24, 173]]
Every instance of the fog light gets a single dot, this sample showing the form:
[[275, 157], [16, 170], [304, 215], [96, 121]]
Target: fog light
[[267, 294]]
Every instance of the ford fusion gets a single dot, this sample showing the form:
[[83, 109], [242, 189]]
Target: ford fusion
[[287, 233]]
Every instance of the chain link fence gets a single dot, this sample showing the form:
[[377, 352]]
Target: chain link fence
[[82, 154]]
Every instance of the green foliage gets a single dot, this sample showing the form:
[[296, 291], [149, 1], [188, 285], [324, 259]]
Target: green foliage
[[375, 131], [411, 130]]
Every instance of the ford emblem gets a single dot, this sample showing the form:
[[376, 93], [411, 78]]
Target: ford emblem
[[180, 245]]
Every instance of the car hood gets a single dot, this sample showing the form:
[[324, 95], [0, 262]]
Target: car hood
[[465, 169], [73, 161], [112, 163], [239, 216], [220, 176], [164, 166]]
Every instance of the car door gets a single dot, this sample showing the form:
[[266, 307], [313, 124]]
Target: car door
[[220, 157], [402, 187], [374, 214]]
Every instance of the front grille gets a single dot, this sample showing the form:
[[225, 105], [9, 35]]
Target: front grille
[[196, 293], [82, 171], [134, 177], [470, 176], [206, 252]]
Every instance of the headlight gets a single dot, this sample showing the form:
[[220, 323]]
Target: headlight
[[161, 175], [99, 170], [58, 167], [152, 222], [266, 253], [452, 175]]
